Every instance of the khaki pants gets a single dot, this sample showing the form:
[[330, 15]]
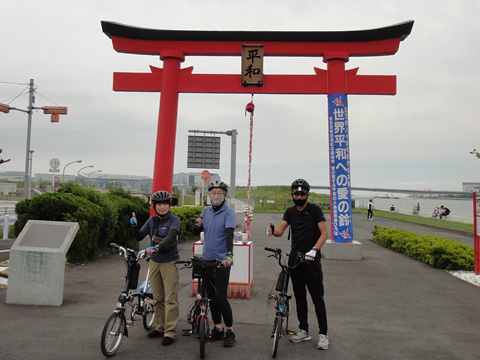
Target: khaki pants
[[164, 282]]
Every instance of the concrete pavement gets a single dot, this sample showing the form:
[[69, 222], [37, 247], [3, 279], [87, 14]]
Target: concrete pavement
[[385, 306]]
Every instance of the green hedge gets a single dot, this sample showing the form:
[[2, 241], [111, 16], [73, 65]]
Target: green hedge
[[436, 251], [187, 217], [102, 217]]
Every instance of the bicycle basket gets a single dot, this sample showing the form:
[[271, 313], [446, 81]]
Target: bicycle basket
[[280, 280], [133, 277], [201, 266]]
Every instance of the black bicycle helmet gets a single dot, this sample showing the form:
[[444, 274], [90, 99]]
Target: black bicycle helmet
[[300, 184], [218, 184], [161, 196]]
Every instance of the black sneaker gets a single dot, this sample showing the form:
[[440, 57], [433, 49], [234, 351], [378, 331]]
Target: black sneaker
[[167, 341], [229, 339], [216, 334], [155, 334]]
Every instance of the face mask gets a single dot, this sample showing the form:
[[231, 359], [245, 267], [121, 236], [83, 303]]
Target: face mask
[[300, 202], [217, 200]]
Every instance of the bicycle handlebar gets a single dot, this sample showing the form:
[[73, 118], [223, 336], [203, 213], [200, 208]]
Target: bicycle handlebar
[[124, 251], [277, 255]]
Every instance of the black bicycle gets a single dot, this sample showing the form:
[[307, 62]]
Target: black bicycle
[[197, 315], [282, 305], [141, 304]]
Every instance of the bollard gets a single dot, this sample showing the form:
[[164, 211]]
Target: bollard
[[5, 227]]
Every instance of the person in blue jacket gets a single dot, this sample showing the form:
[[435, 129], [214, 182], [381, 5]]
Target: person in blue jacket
[[163, 230], [218, 223]]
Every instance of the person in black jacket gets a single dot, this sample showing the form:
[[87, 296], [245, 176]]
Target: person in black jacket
[[309, 233], [163, 229]]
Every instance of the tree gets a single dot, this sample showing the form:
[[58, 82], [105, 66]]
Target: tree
[[474, 152]]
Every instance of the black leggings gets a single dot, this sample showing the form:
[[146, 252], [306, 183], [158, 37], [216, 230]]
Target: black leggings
[[310, 277], [216, 286]]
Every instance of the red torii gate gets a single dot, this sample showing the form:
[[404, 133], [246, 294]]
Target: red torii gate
[[172, 46]]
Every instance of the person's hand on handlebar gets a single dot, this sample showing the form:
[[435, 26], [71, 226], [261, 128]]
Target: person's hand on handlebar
[[228, 261], [150, 250], [310, 256]]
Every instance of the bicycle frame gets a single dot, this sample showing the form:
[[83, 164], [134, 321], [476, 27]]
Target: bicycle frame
[[197, 314], [142, 304], [282, 305]]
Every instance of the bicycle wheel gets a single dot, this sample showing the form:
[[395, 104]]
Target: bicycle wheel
[[112, 334], [277, 333], [149, 316], [202, 334]]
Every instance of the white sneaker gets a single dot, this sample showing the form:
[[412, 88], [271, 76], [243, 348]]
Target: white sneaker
[[302, 335], [322, 342]]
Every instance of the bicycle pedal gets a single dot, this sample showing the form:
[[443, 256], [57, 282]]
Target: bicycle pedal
[[272, 297], [290, 332], [129, 323], [186, 332]]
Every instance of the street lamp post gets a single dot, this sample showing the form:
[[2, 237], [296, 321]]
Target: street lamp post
[[85, 167], [93, 172], [63, 176]]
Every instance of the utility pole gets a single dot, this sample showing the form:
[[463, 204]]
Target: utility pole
[[31, 102], [54, 111]]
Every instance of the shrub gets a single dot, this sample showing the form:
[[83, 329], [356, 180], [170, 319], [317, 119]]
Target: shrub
[[187, 217], [433, 250], [102, 218], [69, 208]]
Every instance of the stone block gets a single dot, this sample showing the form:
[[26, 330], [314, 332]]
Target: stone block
[[342, 251], [37, 263]]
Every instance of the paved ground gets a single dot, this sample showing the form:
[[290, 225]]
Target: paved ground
[[386, 306]]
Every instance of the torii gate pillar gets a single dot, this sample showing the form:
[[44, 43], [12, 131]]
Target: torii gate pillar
[[167, 121]]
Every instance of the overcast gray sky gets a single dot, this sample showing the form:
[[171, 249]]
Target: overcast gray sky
[[417, 139]]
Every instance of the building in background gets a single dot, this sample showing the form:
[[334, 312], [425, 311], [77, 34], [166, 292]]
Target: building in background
[[470, 186]]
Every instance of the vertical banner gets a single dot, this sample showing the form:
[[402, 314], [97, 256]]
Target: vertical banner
[[340, 187]]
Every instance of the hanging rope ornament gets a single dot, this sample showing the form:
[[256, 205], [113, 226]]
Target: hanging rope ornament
[[250, 108]]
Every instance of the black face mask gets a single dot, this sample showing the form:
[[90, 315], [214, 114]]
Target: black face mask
[[300, 202]]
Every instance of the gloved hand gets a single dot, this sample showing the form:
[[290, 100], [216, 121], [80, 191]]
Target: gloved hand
[[133, 220], [270, 230], [229, 260], [150, 250], [310, 256]]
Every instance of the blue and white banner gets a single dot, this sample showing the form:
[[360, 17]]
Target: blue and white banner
[[340, 187]]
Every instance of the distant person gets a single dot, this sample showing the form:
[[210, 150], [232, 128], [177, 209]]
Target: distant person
[[418, 207], [392, 209], [445, 212], [370, 210]]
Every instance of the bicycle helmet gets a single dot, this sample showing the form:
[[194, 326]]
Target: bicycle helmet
[[300, 184], [218, 184], [161, 196]]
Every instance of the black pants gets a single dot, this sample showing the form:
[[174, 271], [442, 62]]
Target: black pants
[[310, 277], [369, 214], [216, 286]]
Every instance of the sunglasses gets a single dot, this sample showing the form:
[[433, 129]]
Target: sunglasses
[[299, 193]]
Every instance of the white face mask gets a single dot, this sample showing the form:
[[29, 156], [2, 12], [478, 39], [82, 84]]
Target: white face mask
[[217, 200]]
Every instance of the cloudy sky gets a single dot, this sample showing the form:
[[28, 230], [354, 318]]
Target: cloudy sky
[[417, 139]]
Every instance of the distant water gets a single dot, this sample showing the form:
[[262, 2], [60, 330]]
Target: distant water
[[458, 208]]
